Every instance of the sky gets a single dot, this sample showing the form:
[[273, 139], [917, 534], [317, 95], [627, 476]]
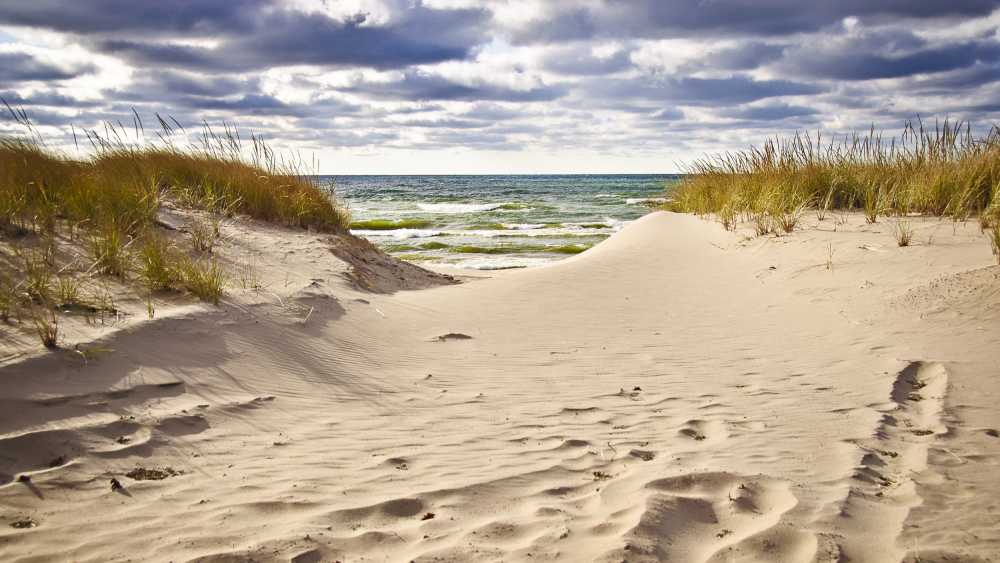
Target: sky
[[500, 86]]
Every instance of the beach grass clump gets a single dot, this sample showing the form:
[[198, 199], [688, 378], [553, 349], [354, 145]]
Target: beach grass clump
[[947, 171], [205, 279], [109, 248], [248, 275], [46, 326], [903, 232], [202, 236], [155, 261]]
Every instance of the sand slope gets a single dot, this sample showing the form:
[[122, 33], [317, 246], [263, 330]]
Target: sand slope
[[678, 393]]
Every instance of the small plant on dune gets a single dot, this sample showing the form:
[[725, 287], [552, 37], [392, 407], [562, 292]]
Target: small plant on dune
[[727, 216], [46, 327], [37, 275], [829, 256], [762, 224], [155, 258], [203, 236], [109, 250], [904, 232], [67, 289], [247, 274], [204, 279], [10, 304], [102, 300], [871, 204], [787, 215]]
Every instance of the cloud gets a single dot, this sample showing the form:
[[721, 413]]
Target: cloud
[[745, 56], [768, 112], [46, 98], [580, 60], [695, 91], [595, 76], [563, 21], [126, 16], [419, 86], [880, 54], [22, 67], [258, 35]]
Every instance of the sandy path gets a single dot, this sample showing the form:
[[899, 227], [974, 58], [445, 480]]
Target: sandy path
[[678, 393]]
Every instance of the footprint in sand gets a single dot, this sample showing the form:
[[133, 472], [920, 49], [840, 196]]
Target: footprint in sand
[[452, 336], [699, 516], [704, 430]]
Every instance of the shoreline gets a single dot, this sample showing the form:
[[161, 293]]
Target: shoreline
[[675, 392]]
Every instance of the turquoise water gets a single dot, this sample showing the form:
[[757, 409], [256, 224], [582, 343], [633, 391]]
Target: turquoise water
[[494, 222]]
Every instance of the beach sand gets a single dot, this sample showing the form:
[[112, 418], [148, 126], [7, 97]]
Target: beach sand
[[677, 393]]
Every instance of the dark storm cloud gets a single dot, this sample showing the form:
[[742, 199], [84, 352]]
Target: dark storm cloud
[[125, 16], [879, 54], [420, 86], [46, 98], [22, 67], [769, 112], [257, 35], [736, 89], [160, 82], [655, 18], [964, 79]]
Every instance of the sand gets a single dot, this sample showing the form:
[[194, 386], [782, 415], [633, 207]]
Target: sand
[[677, 393]]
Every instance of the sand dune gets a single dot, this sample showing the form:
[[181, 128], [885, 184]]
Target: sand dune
[[677, 393]]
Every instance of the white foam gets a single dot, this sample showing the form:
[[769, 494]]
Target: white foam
[[523, 226], [398, 234], [634, 200], [452, 208], [500, 262]]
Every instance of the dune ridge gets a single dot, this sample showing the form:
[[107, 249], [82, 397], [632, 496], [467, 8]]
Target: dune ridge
[[676, 393]]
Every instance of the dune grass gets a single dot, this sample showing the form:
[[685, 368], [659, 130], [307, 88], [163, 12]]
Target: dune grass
[[123, 183], [103, 208], [945, 171]]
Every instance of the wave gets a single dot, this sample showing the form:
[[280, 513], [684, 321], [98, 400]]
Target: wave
[[399, 234], [390, 225], [645, 200], [453, 208], [520, 249], [500, 262]]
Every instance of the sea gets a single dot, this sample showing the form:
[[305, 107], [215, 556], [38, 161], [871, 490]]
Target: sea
[[494, 222]]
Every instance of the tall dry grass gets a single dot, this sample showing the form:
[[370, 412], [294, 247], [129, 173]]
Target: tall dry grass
[[946, 170], [124, 182]]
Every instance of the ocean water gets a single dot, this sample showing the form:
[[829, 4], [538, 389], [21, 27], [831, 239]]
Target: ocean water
[[494, 222]]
